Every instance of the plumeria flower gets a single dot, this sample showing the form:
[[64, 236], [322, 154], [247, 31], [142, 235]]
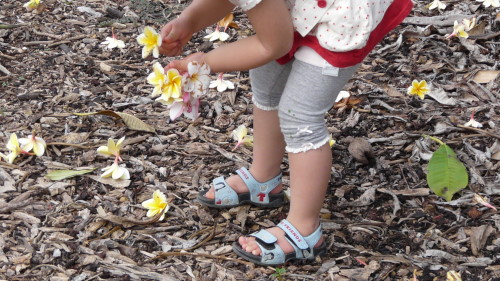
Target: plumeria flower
[[473, 123], [487, 3], [419, 89], [221, 84], [480, 200], [34, 143], [217, 35], [197, 78], [342, 95], [112, 148], [227, 22], [460, 29], [151, 41], [157, 78], [331, 142], [156, 205], [14, 148], [112, 42], [189, 106], [436, 4], [31, 5], [171, 90], [240, 135], [453, 276], [116, 172]]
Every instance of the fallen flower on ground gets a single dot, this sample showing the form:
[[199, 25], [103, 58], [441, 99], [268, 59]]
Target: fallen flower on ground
[[14, 149], [473, 123], [156, 205], [419, 89], [240, 135], [342, 95], [34, 143], [227, 22], [31, 5], [151, 41], [221, 84], [480, 200], [436, 4], [452, 275], [217, 35], [460, 29], [492, 3], [112, 148], [116, 172], [112, 42]]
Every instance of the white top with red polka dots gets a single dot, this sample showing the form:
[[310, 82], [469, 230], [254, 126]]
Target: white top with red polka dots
[[339, 25]]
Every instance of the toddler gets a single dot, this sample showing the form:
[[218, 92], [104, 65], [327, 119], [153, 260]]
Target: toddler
[[301, 56]]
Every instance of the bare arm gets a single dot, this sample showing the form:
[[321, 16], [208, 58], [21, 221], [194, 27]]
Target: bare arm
[[274, 36]]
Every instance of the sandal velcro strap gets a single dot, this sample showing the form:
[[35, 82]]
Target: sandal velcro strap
[[224, 194], [303, 245], [259, 192]]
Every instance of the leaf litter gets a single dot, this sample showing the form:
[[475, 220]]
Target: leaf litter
[[380, 219]]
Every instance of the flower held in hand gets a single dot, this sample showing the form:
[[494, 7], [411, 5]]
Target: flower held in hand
[[151, 41]]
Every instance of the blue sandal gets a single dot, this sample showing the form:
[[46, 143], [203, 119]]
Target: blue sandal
[[273, 255], [258, 195]]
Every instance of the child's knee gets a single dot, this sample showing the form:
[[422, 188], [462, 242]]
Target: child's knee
[[302, 132]]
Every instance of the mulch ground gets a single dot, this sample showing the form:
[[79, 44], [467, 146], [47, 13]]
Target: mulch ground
[[380, 219]]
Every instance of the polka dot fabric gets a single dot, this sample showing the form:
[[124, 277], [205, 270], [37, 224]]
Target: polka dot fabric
[[339, 25]]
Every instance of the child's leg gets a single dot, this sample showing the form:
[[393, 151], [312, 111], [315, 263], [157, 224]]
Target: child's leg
[[268, 83], [308, 95]]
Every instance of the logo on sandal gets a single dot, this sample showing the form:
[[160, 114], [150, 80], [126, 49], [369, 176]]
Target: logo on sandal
[[261, 196], [292, 232], [244, 174]]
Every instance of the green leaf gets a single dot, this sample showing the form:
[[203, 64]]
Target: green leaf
[[57, 175], [447, 175]]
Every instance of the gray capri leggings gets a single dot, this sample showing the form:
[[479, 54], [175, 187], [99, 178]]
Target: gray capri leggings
[[302, 93]]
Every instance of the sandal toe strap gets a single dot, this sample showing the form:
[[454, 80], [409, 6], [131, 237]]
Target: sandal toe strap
[[259, 191], [224, 194], [271, 253]]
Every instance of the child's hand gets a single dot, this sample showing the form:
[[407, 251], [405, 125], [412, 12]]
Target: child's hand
[[175, 35], [182, 65]]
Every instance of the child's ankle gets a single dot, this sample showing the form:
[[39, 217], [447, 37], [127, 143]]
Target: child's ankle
[[263, 175]]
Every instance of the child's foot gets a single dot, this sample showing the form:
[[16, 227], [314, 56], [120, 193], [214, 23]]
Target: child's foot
[[238, 185], [274, 246], [261, 190]]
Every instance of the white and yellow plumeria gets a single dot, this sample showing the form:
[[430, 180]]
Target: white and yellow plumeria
[[492, 3], [480, 200], [31, 5], [156, 205], [221, 84], [452, 275], [171, 90], [473, 123], [436, 4], [240, 135], [331, 142], [197, 78], [14, 149], [217, 35], [151, 41], [111, 43], [461, 29], [157, 78], [112, 149], [34, 143], [419, 89], [116, 172]]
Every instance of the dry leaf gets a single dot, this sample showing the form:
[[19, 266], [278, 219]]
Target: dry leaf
[[485, 76], [131, 121]]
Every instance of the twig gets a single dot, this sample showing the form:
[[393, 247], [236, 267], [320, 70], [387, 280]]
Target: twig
[[178, 254], [10, 26], [209, 237], [4, 70], [484, 132], [114, 229], [69, 144]]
